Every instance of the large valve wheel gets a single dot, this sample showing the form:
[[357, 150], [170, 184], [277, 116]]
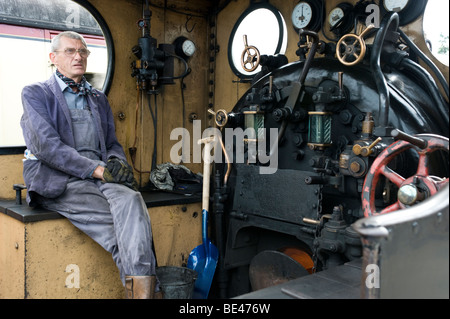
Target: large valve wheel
[[411, 190]]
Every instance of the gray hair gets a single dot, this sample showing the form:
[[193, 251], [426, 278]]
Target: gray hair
[[68, 34]]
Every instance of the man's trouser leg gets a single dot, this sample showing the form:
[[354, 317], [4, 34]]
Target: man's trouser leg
[[114, 216]]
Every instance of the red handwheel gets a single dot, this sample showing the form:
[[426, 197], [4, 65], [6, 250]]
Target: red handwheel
[[412, 189]]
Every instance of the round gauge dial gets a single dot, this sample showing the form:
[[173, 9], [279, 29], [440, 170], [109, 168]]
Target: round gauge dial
[[302, 15], [395, 5], [407, 10], [188, 48], [184, 47], [341, 18], [336, 15], [308, 14]]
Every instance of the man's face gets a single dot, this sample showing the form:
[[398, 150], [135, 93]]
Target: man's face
[[72, 67]]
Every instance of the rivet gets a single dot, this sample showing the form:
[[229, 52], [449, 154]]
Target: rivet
[[121, 116]]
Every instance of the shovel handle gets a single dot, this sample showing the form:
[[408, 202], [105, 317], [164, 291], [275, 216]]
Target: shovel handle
[[206, 169], [205, 229]]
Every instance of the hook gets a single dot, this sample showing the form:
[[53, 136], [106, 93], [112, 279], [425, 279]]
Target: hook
[[188, 18]]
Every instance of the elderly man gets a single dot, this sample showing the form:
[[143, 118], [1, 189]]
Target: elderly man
[[76, 166]]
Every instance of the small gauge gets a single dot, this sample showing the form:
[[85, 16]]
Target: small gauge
[[407, 10], [341, 18], [395, 5], [336, 15], [188, 47], [302, 15], [308, 14], [184, 47]]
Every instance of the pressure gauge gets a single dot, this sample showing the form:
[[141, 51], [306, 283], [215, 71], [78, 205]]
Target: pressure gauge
[[308, 14], [335, 16], [407, 10], [395, 5], [341, 18], [188, 47], [302, 15], [184, 47]]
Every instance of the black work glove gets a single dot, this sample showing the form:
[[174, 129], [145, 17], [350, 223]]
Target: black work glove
[[119, 171], [107, 177]]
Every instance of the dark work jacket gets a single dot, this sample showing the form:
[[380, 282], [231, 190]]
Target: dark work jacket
[[47, 129]]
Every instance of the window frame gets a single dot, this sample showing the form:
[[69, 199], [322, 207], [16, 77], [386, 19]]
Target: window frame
[[14, 150], [281, 23]]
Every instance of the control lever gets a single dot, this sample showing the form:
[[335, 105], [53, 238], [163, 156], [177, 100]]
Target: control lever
[[312, 53], [316, 222], [420, 143], [366, 150], [298, 85]]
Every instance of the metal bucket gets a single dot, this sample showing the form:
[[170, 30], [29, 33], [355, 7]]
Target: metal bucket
[[176, 282]]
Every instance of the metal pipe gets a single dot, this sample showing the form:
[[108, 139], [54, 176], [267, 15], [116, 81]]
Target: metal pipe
[[430, 84], [390, 22], [426, 60]]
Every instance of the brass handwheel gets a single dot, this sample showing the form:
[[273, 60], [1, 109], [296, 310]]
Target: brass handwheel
[[351, 48], [250, 57]]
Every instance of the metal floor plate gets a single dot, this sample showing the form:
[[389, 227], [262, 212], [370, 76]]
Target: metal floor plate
[[341, 282]]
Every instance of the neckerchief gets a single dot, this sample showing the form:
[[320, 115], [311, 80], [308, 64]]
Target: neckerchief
[[82, 89]]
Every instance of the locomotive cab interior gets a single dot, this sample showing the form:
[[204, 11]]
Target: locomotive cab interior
[[331, 125]]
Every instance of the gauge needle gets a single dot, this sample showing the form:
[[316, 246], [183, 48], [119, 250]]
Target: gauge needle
[[337, 22]]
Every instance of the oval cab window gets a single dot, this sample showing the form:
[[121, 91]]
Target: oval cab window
[[265, 30]]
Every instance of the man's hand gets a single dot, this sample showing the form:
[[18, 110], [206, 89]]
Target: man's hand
[[118, 171], [103, 174], [98, 173]]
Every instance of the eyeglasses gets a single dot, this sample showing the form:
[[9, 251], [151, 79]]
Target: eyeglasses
[[71, 52]]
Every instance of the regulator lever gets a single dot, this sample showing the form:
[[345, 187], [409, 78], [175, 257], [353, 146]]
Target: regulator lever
[[297, 85], [420, 143]]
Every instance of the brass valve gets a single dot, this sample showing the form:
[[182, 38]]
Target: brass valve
[[250, 56], [220, 117], [351, 48], [316, 222], [365, 150]]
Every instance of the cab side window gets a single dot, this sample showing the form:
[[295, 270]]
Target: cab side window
[[25, 37]]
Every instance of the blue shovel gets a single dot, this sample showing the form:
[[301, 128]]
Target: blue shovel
[[203, 258]]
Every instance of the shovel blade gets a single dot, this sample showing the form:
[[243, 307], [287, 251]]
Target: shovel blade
[[203, 259]]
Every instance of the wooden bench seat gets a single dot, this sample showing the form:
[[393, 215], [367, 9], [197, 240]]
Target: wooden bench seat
[[42, 255]]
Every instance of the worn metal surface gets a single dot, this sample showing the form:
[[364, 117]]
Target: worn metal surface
[[280, 196], [341, 282], [411, 249]]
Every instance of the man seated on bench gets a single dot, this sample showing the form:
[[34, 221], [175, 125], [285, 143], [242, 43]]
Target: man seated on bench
[[76, 166]]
